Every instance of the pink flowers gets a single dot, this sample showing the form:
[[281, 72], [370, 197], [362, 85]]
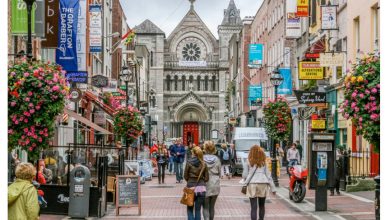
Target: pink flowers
[[374, 90], [55, 88], [26, 74], [13, 103], [374, 116], [29, 93]]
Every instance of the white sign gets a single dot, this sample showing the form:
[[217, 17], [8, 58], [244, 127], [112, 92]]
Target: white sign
[[331, 59], [250, 133], [287, 57], [328, 17], [293, 26], [112, 86], [193, 63], [81, 37], [95, 28]]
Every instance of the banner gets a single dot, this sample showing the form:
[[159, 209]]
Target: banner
[[302, 8], [81, 36], [329, 17], [310, 70], [255, 95], [331, 59], [287, 57], [304, 97], [51, 24], [19, 17], [255, 56], [293, 26], [66, 53], [95, 28], [286, 87], [40, 18]]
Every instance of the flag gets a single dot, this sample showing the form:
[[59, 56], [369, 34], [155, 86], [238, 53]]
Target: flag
[[128, 37]]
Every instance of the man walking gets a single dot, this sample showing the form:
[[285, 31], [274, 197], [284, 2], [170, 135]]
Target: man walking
[[292, 156], [300, 150], [178, 153]]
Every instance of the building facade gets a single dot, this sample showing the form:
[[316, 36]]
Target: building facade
[[188, 75]]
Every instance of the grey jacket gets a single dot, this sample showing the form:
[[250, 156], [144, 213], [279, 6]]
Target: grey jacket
[[214, 167], [262, 175]]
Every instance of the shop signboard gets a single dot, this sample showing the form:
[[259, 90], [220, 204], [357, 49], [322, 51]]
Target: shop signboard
[[329, 17], [310, 70], [51, 24], [293, 25], [255, 95], [286, 87], [99, 81], [304, 97], [77, 76], [302, 8], [255, 56], [19, 17], [82, 36], [331, 59], [318, 124], [95, 28]]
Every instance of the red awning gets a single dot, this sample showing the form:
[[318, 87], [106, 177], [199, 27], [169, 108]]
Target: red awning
[[86, 121], [89, 96], [318, 47]]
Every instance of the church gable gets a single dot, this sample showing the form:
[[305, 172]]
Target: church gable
[[231, 15], [148, 27], [190, 97]]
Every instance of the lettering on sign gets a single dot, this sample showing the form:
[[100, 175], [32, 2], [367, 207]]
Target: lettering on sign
[[310, 97], [306, 112], [62, 199], [310, 70], [318, 124], [99, 81]]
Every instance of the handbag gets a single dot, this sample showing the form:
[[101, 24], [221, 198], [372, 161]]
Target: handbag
[[189, 193], [244, 188]]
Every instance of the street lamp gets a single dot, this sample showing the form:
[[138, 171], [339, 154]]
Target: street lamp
[[29, 4], [125, 75], [276, 79]]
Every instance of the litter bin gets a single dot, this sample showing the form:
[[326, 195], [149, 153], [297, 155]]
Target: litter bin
[[79, 192]]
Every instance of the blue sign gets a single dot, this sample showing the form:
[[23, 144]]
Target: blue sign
[[255, 55], [255, 95], [286, 87], [77, 76], [66, 52]]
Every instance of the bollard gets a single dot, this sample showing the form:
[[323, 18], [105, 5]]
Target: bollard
[[377, 198]]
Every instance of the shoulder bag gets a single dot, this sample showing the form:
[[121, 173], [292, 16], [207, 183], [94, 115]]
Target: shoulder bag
[[189, 193], [244, 188]]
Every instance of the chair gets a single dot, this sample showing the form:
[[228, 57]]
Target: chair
[[111, 186]]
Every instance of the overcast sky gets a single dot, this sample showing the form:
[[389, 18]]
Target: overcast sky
[[167, 14]]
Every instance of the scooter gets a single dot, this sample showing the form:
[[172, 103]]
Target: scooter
[[298, 178]]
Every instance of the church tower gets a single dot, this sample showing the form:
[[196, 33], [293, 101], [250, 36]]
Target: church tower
[[231, 24]]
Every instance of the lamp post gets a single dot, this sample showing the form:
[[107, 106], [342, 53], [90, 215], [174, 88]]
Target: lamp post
[[125, 76], [276, 79], [29, 4]]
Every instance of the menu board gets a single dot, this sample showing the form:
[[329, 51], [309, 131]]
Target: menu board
[[128, 190]]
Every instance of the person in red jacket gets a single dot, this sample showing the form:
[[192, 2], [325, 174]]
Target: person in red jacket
[[41, 179]]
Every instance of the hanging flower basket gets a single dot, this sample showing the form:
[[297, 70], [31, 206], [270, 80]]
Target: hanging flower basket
[[36, 96], [128, 123], [277, 119], [362, 98]]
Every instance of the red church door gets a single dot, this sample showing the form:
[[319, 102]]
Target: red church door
[[190, 133]]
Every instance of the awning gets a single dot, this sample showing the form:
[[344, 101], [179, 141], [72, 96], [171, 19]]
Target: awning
[[86, 121]]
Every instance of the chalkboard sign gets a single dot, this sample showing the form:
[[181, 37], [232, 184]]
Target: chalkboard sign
[[99, 81], [128, 192]]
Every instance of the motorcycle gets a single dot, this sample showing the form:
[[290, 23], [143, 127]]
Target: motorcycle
[[298, 179]]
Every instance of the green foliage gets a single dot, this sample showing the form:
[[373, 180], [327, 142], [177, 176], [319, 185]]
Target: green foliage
[[362, 98], [36, 96], [277, 119]]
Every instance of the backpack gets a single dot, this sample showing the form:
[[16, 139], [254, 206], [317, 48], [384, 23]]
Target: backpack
[[225, 155]]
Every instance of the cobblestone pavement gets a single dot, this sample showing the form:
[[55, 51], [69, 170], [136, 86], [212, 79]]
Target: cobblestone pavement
[[162, 202]]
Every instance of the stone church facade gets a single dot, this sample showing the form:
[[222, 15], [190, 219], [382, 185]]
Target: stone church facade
[[189, 75]]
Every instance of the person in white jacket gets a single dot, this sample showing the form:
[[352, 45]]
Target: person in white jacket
[[258, 180]]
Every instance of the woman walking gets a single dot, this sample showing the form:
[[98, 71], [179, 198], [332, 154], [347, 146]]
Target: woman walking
[[225, 157], [196, 174], [213, 185], [22, 195], [161, 158], [258, 181]]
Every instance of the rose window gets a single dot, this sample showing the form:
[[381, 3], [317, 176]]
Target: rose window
[[191, 52]]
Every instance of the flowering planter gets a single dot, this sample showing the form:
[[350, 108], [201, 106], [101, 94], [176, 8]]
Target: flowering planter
[[128, 123], [277, 119]]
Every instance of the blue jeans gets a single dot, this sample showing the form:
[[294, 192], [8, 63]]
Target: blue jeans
[[198, 203], [179, 171], [170, 166], [291, 163]]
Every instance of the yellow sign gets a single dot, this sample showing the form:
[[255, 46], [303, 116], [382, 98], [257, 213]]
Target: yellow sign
[[310, 70], [302, 8], [317, 124], [232, 121]]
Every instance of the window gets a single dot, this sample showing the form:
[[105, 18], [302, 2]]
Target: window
[[168, 82], [176, 79], [151, 58], [198, 86], [214, 83], [375, 18], [183, 83], [313, 12], [206, 83], [356, 27], [191, 81]]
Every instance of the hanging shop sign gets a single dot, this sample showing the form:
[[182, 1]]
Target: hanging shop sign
[[293, 25], [255, 95], [99, 118], [304, 113], [286, 87], [329, 17], [19, 17], [331, 59], [255, 56], [95, 28], [99, 81], [312, 55], [66, 52], [77, 76], [51, 24], [318, 124], [304, 97], [82, 36], [232, 121], [75, 94], [302, 8], [112, 86], [310, 70]]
